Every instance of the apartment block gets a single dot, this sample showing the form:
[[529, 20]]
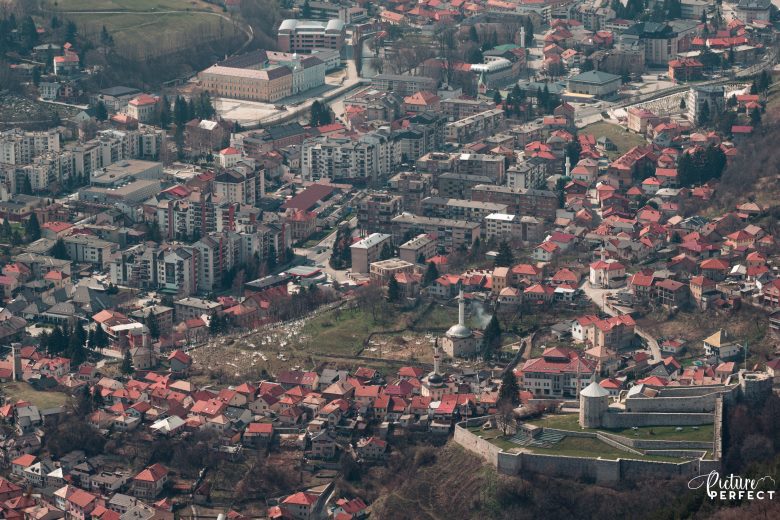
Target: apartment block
[[367, 251], [420, 247], [460, 209], [541, 204], [449, 234], [475, 127], [376, 210]]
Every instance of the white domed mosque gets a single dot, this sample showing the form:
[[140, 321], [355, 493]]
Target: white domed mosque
[[435, 384], [459, 340]]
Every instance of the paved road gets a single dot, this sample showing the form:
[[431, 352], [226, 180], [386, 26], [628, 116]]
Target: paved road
[[321, 258], [599, 297]]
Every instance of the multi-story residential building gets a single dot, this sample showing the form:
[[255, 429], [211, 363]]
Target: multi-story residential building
[[235, 185], [381, 271], [449, 234], [21, 147], [529, 174], [403, 85], [412, 187], [458, 185], [460, 209], [219, 252], [188, 308], [711, 96], [371, 156], [537, 203], [419, 248], [750, 10], [295, 35], [491, 166], [503, 226], [473, 127], [456, 108], [89, 249], [367, 251], [376, 210], [177, 270]]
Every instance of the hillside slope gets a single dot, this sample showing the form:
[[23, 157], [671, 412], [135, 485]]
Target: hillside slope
[[458, 485]]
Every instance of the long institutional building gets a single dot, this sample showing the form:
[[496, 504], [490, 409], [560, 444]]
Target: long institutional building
[[308, 35], [265, 76]]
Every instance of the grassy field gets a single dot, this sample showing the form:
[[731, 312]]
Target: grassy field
[[570, 422], [128, 5], [24, 392], [621, 137], [584, 447]]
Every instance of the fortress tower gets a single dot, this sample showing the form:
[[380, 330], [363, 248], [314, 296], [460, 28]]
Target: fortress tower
[[594, 402]]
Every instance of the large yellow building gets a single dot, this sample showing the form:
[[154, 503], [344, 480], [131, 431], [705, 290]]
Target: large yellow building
[[271, 84]]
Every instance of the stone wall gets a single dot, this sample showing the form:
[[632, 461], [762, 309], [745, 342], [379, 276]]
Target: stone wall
[[600, 470], [627, 419], [658, 444], [474, 443], [695, 404], [717, 442]]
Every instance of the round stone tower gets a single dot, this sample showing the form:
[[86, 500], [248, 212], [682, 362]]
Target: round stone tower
[[594, 402]]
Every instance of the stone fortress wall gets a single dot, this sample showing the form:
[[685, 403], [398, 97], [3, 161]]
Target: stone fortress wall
[[675, 406]]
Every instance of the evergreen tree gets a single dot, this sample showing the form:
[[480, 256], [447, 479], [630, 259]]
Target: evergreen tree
[[682, 103], [473, 35], [509, 390], [393, 290], [755, 117], [99, 338], [101, 113], [84, 401], [165, 113], [7, 231], [306, 10], [28, 33], [206, 108], [57, 342], [271, 261], [431, 274], [127, 364], [105, 37], [504, 257], [97, 399], [32, 229], [70, 31], [154, 329], [180, 112], [497, 98], [492, 336], [26, 185], [704, 115], [386, 252], [753, 88]]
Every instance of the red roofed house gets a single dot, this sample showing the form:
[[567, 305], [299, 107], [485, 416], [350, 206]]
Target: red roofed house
[[607, 274], [372, 448], [556, 373], [150, 482], [301, 505], [143, 108]]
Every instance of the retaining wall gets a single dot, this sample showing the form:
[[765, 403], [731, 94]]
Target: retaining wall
[[658, 444], [599, 470], [628, 419], [474, 443], [695, 404]]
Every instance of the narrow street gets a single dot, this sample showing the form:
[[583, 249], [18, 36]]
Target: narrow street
[[599, 297]]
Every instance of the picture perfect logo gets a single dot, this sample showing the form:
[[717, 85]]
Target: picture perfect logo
[[734, 487]]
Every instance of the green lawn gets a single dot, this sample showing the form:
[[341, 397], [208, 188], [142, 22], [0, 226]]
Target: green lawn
[[16, 391], [339, 332], [127, 5], [621, 137], [668, 433], [584, 447], [568, 447]]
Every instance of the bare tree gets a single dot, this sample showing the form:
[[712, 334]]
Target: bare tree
[[505, 417]]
